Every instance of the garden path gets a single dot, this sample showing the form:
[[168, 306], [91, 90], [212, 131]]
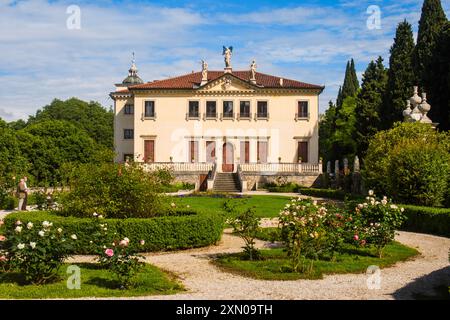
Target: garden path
[[205, 281]]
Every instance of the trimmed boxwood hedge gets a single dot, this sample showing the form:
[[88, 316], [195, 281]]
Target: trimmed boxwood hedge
[[427, 220], [188, 230]]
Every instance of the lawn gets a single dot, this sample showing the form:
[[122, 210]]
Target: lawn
[[95, 282], [275, 265], [265, 206]]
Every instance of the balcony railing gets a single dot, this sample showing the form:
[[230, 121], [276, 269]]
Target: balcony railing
[[244, 116], [179, 166], [210, 116], [281, 168], [148, 116], [301, 116], [192, 116], [262, 116]]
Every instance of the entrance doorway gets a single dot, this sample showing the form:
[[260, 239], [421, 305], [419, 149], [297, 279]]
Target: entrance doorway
[[227, 157]]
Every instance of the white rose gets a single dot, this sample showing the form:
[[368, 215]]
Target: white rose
[[95, 214], [29, 225], [41, 233], [74, 237], [20, 246], [384, 202], [402, 209], [45, 224], [33, 245], [59, 230], [18, 229], [370, 192], [393, 206]]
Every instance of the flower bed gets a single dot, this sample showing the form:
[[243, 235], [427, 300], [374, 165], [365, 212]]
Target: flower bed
[[189, 230]]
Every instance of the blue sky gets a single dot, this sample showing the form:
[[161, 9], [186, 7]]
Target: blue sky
[[41, 59]]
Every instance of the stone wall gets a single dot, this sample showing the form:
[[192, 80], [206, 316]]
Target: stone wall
[[306, 180]]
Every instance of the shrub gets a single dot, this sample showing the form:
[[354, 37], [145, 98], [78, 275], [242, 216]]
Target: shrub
[[427, 220], [376, 222], [285, 187], [384, 145], [116, 255], [418, 174], [114, 191], [303, 231], [36, 250], [181, 230], [325, 193], [246, 226]]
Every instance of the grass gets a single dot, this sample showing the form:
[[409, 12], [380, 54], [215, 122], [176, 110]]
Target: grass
[[265, 206], [95, 282], [275, 265]]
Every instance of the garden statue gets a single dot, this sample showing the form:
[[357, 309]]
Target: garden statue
[[227, 52], [204, 72], [253, 67], [356, 164]]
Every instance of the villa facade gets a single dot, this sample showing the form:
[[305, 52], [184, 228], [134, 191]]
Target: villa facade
[[250, 125]]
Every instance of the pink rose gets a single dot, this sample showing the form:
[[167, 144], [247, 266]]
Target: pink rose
[[109, 252], [18, 223], [363, 242], [142, 242], [123, 243], [356, 237], [2, 238], [2, 258], [2, 222]]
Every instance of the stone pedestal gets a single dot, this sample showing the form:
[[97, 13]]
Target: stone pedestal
[[228, 70]]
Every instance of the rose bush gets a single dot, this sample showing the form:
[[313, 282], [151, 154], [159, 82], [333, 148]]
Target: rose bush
[[116, 254], [37, 252], [376, 221], [303, 231], [246, 226]]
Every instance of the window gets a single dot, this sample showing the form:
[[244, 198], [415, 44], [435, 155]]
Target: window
[[129, 109], [262, 151], [262, 109], [303, 109], [244, 109], [211, 111], [149, 111], [228, 109], [194, 109], [128, 134], [303, 151]]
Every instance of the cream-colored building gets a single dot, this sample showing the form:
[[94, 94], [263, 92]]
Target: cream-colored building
[[201, 124]]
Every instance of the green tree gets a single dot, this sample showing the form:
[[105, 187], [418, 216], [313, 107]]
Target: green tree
[[327, 127], [369, 104], [91, 117], [51, 143], [342, 142], [400, 76], [351, 84], [431, 22], [439, 91]]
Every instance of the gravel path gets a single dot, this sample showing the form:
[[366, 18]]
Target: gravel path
[[204, 281]]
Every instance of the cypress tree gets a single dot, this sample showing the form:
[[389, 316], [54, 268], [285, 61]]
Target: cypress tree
[[439, 91], [400, 75], [350, 86], [431, 22], [369, 103], [339, 98]]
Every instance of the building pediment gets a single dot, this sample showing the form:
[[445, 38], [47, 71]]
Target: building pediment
[[228, 83]]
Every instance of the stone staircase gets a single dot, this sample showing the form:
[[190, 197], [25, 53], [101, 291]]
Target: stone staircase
[[227, 182]]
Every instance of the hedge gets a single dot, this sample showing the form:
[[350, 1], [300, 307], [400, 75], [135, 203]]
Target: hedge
[[427, 220], [160, 233]]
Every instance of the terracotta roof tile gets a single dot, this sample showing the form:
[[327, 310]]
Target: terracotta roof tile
[[191, 80]]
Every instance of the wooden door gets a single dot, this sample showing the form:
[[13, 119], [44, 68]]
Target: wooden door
[[203, 182], [245, 152], [303, 151], [149, 151], [193, 151], [227, 158]]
